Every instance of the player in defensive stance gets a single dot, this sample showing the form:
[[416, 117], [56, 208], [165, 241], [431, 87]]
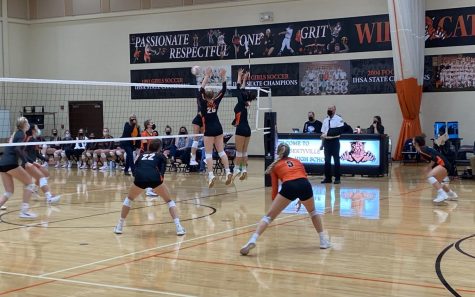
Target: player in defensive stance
[[439, 169], [243, 130], [295, 185], [9, 169], [149, 170]]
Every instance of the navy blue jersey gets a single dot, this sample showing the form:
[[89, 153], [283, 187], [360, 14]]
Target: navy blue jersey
[[13, 153], [150, 167], [209, 109], [240, 109], [32, 151], [429, 154]]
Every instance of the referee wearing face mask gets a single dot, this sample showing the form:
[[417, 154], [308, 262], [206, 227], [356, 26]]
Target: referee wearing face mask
[[331, 131]]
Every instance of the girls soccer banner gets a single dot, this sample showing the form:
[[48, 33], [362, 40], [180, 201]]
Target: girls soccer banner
[[174, 76], [448, 27]]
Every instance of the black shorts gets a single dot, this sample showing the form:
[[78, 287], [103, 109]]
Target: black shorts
[[214, 129], [197, 121], [6, 168], [297, 188], [243, 130], [147, 184]]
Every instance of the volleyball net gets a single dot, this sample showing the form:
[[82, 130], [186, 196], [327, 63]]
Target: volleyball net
[[91, 106]]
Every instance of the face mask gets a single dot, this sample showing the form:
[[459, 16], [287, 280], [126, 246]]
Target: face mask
[[375, 122], [80, 134], [182, 132], [55, 134], [168, 132], [154, 127], [67, 135], [329, 113], [105, 133], [310, 119]]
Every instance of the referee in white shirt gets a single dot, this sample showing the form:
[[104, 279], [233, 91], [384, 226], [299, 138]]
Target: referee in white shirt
[[331, 131]]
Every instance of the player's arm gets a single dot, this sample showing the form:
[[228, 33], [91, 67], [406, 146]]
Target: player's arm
[[162, 166], [206, 78], [275, 184]]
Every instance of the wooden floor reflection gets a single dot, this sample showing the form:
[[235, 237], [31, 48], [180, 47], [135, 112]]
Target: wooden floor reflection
[[388, 240]]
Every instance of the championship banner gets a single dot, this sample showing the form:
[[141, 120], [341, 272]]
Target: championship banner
[[178, 76], [374, 76], [356, 34], [282, 79], [324, 78], [450, 73]]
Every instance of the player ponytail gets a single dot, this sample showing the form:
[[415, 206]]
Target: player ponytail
[[283, 151]]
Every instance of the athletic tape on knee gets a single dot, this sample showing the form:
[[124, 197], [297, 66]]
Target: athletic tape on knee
[[7, 195], [238, 154], [195, 144], [221, 154], [171, 204], [31, 188], [432, 180], [127, 202], [43, 182], [267, 220], [314, 213], [209, 156], [103, 156]]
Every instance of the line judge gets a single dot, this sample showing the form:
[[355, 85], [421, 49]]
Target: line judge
[[331, 131]]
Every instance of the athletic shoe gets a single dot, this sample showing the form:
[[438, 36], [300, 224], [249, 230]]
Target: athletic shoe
[[104, 167], [53, 199], [180, 231], [150, 192], [193, 163], [94, 167], [83, 166], [236, 173], [326, 181], [118, 228], [452, 196], [247, 248], [28, 215], [3, 207], [441, 196], [325, 243], [45, 165], [229, 178], [70, 164], [211, 181], [243, 175], [57, 165]]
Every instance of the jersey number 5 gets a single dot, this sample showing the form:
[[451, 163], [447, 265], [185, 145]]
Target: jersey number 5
[[290, 164], [148, 157]]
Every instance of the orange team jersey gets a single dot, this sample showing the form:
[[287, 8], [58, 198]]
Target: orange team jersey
[[145, 142], [135, 133], [285, 170]]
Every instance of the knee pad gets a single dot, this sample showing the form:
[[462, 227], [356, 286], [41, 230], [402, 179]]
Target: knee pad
[[63, 154], [7, 195], [83, 157], [267, 220], [94, 156], [88, 154], [238, 154], [118, 153], [221, 154], [57, 153], [171, 204], [31, 188], [127, 202], [209, 156], [103, 156], [43, 182], [314, 213], [195, 144], [432, 180], [244, 154]]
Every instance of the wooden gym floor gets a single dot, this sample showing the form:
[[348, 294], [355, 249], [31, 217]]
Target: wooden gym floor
[[388, 240]]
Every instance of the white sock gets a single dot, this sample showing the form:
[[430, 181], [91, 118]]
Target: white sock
[[441, 190], [244, 168], [254, 238], [121, 220], [228, 171], [176, 221], [48, 195], [322, 236], [25, 207], [210, 174]]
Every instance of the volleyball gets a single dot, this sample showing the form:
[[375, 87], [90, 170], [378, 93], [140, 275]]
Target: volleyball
[[195, 70]]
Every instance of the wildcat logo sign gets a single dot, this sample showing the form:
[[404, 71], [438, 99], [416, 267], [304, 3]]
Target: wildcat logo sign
[[358, 154]]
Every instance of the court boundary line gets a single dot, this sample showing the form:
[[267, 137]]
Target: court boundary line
[[53, 279], [160, 247], [314, 273]]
